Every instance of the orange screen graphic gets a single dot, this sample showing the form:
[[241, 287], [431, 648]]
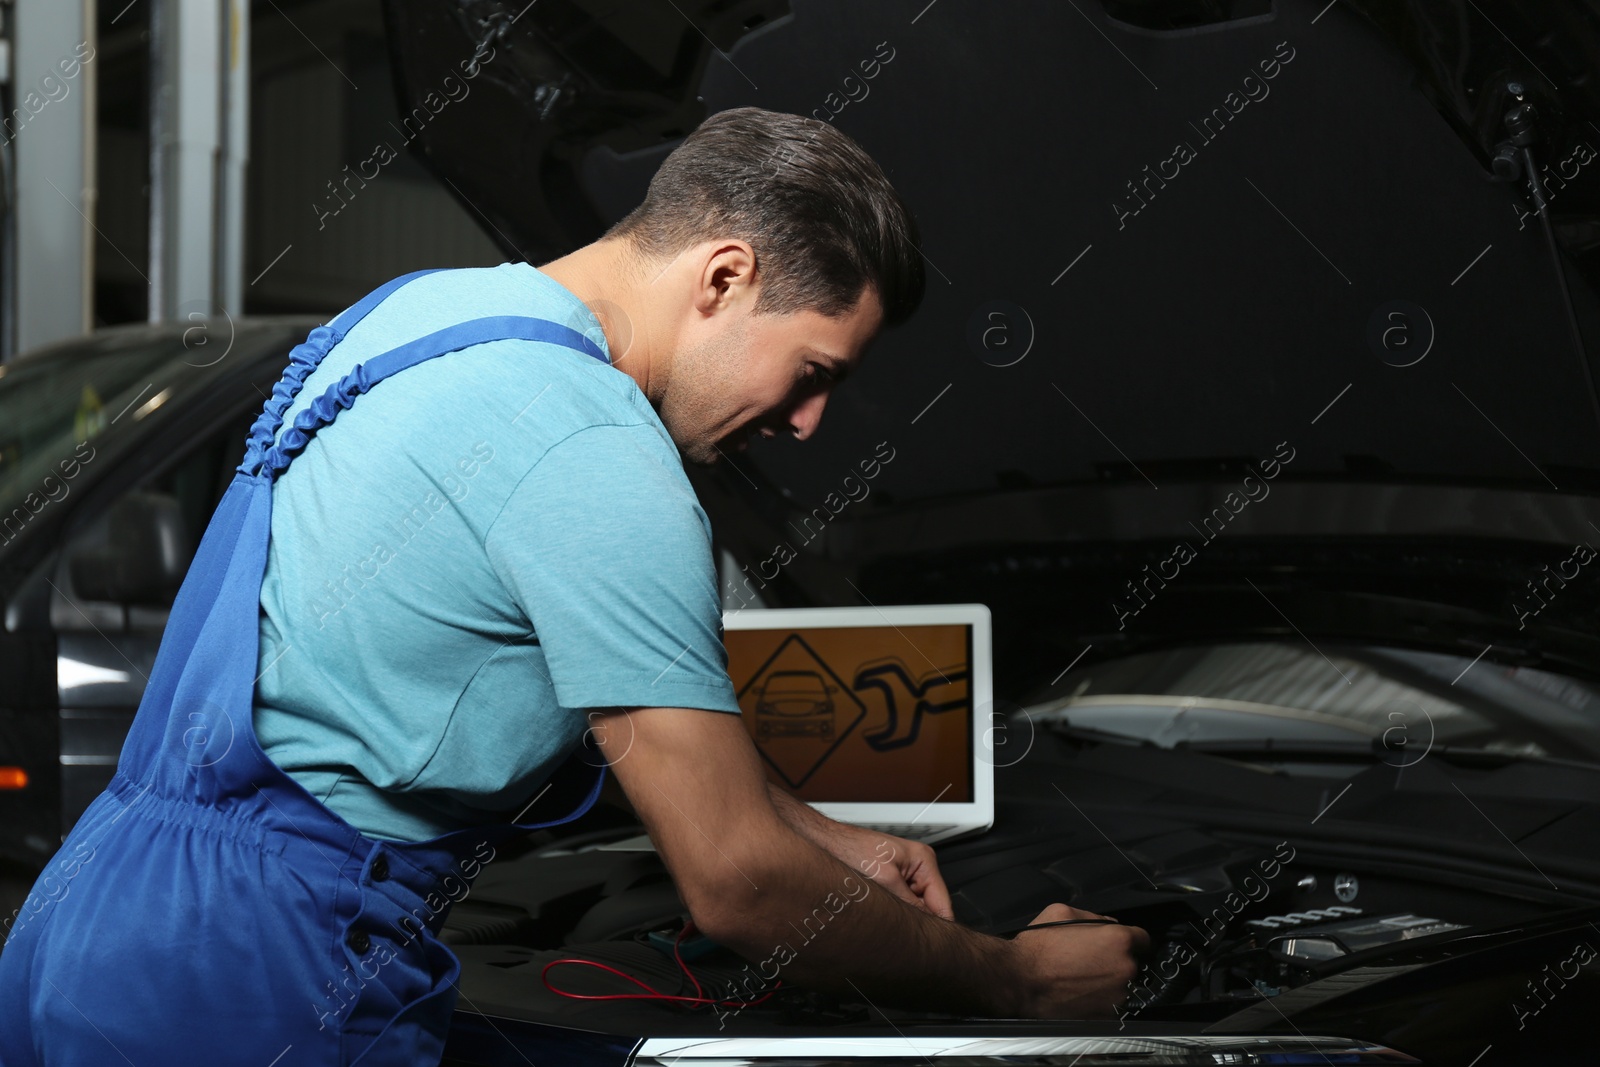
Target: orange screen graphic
[[859, 713]]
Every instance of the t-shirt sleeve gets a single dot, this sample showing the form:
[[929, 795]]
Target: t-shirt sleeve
[[606, 548]]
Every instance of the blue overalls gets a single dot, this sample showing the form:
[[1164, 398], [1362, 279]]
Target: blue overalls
[[206, 909]]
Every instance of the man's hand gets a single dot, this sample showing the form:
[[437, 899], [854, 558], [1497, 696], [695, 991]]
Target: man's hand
[[908, 869], [1079, 971]]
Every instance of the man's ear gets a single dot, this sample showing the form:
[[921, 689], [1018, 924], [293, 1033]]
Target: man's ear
[[727, 277]]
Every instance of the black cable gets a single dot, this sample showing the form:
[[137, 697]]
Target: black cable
[[1059, 922]]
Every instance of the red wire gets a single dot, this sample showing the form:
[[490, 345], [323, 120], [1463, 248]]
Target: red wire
[[683, 966], [652, 994]]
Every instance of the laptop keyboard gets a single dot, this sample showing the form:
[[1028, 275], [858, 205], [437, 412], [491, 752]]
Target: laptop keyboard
[[912, 831], [909, 831]]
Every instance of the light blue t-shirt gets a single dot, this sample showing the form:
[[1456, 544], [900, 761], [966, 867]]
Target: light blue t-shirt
[[479, 549]]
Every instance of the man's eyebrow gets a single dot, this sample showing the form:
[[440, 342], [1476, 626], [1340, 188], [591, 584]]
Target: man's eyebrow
[[836, 367]]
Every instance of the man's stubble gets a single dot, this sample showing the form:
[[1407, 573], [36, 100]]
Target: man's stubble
[[699, 400]]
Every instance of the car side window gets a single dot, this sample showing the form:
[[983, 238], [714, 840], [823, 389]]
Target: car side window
[[121, 572]]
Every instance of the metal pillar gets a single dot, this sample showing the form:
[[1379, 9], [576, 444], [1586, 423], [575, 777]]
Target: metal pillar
[[199, 145], [49, 134], [235, 156]]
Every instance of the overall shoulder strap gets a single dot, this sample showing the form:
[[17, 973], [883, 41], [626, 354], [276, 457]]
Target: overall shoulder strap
[[303, 359], [358, 311], [363, 376]]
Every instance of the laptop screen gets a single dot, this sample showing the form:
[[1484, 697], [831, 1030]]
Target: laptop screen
[[868, 713]]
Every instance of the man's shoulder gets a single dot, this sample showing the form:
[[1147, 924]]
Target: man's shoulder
[[544, 390], [532, 401], [444, 298]]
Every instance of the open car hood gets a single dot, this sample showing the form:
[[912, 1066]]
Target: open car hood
[[1147, 258]]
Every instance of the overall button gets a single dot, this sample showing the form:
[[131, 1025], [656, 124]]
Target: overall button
[[380, 868], [359, 942]]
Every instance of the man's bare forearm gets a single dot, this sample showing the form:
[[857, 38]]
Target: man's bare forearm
[[783, 901], [805, 820], [807, 918]]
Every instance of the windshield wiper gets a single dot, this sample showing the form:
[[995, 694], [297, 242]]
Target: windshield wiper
[[1459, 755], [1063, 728], [1267, 747]]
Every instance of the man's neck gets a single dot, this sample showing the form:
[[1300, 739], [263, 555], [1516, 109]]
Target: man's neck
[[601, 276]]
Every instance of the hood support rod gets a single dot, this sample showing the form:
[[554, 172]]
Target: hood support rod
[[1521, 124]]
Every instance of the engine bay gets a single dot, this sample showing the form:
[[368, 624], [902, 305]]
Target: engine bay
[[1266, 885], [1231, 922]]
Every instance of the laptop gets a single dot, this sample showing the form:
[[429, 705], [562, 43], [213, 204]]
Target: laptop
[[875, 716]]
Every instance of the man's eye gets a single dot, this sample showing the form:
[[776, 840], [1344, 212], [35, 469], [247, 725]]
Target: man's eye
[[818, 374]]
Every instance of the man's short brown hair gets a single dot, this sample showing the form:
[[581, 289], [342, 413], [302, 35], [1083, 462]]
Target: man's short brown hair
[[819, 213]]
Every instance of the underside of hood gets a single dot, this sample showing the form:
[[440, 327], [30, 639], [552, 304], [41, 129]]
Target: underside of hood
[[1163, 239]]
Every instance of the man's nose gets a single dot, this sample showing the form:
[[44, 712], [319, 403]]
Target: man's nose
[[806, 416]]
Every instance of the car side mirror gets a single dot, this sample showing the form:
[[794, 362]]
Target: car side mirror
[[141, 557]]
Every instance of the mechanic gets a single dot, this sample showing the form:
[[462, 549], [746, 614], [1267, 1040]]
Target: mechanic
[[490, 582]]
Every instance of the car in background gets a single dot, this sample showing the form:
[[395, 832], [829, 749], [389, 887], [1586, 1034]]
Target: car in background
[[114, 450]]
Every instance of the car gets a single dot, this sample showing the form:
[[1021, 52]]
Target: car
[[1277, 461], [794, 704], [114, 450], [1252, 394]]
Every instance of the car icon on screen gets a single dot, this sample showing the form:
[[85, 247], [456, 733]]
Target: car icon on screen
[[795, 704]]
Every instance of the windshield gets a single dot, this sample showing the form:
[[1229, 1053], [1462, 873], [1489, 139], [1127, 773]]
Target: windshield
[[53, 401], [1250, 695]]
